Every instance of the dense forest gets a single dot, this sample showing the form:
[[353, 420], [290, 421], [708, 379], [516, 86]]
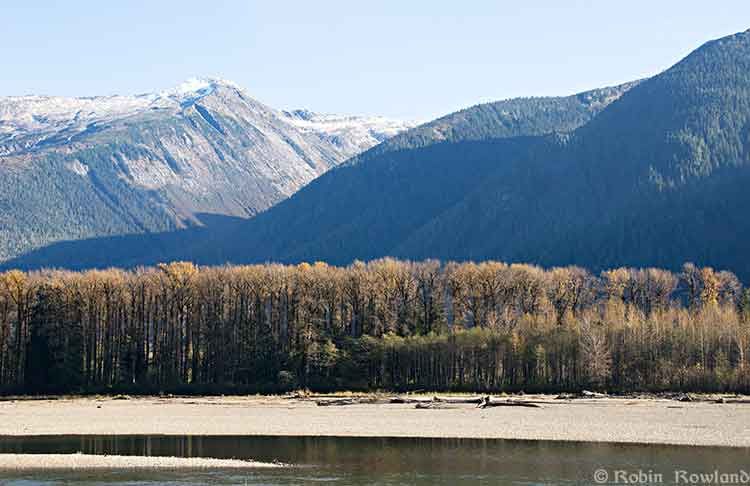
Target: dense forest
[[386, 324]]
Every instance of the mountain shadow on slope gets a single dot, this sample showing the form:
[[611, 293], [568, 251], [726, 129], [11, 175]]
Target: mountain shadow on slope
[[656, 178]]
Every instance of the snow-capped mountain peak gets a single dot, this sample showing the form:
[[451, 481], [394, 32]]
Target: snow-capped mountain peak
[[34, 111], [31, 122], [197, 87], [158, 161], [26, 121]]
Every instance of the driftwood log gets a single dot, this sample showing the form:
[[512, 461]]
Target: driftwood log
[[581, 394], [352, 401], [487, 402], [435, 406]]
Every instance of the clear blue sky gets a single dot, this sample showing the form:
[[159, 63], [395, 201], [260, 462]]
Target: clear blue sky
[[408, 59]]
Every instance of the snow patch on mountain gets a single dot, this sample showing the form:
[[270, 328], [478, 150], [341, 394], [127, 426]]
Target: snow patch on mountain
[[77, 167], [28, 122], [361, 132], [195, 88], [39, 116], [20, 115]]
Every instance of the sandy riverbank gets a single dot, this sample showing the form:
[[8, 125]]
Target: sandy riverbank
[[46, 462], [656, 421]]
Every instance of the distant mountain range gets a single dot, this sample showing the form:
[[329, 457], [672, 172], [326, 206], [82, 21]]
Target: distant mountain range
[[72, 168], [650, 173]]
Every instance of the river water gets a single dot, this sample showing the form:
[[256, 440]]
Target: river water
[[390, 461]]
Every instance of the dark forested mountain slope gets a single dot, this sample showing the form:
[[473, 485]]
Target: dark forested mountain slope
[[657, 177], [516, 117]]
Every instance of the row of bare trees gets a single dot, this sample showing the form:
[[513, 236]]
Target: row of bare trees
[[384, 324]]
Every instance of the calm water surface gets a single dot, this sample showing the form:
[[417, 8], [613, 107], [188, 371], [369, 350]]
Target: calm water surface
[[381, 461]]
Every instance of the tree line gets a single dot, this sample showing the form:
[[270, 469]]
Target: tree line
[[386, 324]]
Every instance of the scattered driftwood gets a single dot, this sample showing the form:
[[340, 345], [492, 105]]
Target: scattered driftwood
[[337, 402], [683, 397], [487, 402], [351, 401], [437, 402], [401, 400], [590, 394], [734, 399], [690, 397], [314, 397], [435, 406], [581, 394], [566, 396], [472, 401], [397, 400], [422, 403]]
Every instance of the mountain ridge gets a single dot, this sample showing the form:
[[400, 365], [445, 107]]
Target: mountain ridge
[[661, 161], [656, 177], [81, 167], [227, 231]]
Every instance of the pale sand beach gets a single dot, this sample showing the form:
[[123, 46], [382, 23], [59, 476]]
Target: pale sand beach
[[620, 420], [32, 462]]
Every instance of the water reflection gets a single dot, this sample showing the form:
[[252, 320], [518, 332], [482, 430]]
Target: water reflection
[[385, 460]]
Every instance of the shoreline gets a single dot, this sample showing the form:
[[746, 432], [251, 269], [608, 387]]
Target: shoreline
[[88, 462], [601, 419]]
